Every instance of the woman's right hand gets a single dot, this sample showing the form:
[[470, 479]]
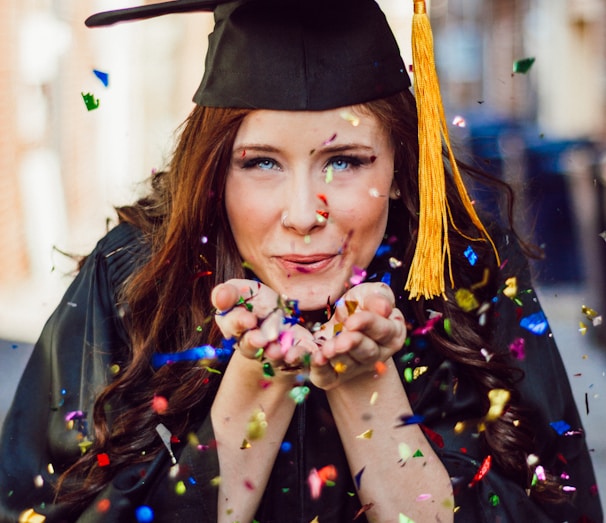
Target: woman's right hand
[[249, 311]]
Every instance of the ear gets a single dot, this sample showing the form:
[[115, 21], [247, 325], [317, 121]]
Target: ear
[[394, 191]]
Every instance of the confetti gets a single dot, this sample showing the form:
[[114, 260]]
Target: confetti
[[459, 121], [560, 426], [498, 399], [103, 459], [482, 471], [517, 348], [339, 367], [329, 174], [394, 263], [511, 287], [582, 328], [257, 425], [166, 438], [330, 140], [466, 300], [418, 454], [535, 323], [299, 393], [367, 434], [358, 477], [103, 77], [144, 514], [523, 66], [471, 255], [350, 117], [404, 519], [204, 352], [358, 275], [180, 488], [159, 404], [494, 500], [90, 101], [103, 505]]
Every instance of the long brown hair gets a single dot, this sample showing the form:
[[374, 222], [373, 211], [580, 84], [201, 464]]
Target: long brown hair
[[192, 250]]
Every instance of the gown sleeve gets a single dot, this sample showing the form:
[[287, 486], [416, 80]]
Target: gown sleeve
[[46, 428]]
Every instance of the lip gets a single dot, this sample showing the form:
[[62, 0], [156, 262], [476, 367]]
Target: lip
[[305, 264]]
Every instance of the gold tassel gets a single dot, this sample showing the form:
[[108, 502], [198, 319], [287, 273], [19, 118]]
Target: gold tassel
[[426, 274]]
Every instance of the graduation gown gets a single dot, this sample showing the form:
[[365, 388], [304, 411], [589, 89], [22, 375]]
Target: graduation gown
[[85, 336]]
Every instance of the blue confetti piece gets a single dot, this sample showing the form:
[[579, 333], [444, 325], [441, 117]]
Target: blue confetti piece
[[144, 514], [205, 352], [560, 427], [535, 323], [358, 477], [386, 279], [471, 255], [286, 446], [413, 419], [383, 249], [104, 77]]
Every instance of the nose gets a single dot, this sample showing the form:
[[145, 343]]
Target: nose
[[304, 210]]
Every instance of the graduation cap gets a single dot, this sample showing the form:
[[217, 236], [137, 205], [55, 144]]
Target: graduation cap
[[324, 54]]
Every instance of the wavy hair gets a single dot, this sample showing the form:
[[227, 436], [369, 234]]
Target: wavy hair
[[183, 219]]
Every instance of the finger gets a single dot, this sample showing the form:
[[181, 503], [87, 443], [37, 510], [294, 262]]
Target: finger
[[389, 331]]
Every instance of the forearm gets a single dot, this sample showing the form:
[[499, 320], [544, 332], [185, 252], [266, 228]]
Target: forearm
[[245, 471], [394, 482]]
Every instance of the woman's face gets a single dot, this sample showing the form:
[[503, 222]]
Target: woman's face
[[307, 197]]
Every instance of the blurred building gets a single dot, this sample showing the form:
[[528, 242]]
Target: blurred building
[[64, 166]]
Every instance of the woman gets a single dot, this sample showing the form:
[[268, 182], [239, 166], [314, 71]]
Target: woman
[[265, 362]]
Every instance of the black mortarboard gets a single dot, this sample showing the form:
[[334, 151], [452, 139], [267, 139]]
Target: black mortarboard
[[289, 54], [325, 54]]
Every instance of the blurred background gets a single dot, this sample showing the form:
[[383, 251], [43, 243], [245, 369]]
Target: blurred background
[[87, 114]]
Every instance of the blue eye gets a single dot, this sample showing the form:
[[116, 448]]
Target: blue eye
[[342, 163], [265, 164]]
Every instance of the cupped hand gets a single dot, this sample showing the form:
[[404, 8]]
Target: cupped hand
[[365, 329], [250, 312]]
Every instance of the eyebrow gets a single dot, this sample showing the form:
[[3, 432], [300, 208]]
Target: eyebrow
[[266, 148]]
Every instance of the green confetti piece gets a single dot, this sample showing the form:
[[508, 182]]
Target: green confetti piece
[[417, 454], [408, 375], [268, 370], [447, 326], [180, 488], [90, 101], [405, 519], [494, 500], [523, 66]]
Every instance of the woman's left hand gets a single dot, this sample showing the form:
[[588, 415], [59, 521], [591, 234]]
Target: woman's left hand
[[366, 328]]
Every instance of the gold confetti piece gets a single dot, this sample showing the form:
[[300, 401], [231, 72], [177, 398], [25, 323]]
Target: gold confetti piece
[[466, 300], [459, 427], [114, 369], [192, 439], [590, 313], [350, 117], [245, 444], [394, 263], [374, 397], [216, 481], [351, 305], [339, 367], [257, 425], [50, 468], [31, 516], [367, 434], [498, 399], [338, 327], [84, 445], [419, 371], [516, 422], [582, 328], [511, 287]]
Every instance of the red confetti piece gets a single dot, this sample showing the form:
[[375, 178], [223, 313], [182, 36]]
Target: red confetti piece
[[103, 459], [159, 404], [483, 470], [103, 505], [433, 436], [322, 198]]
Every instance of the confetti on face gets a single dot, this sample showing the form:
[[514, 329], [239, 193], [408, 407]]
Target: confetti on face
[[404, 519], [329, 174], [523, 66], [330, 140], [459, 121], [582, 328], [358, 276], [350, 117], [103, 77], [367, 434], [90, 101]]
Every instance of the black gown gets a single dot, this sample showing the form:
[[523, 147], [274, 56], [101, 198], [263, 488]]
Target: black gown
[[85, 336]]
